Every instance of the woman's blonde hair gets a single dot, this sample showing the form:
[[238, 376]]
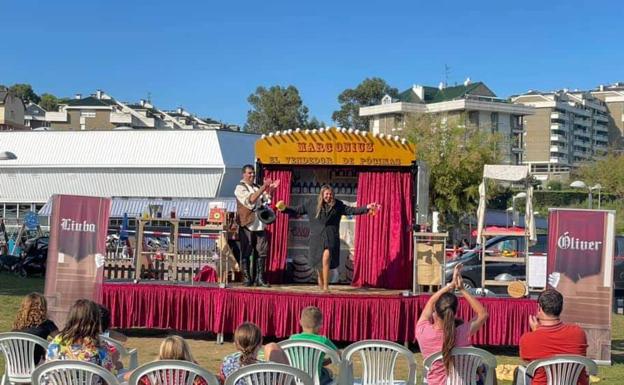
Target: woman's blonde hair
[[248, 337], [320, 202], [32, 312], [175, 348]]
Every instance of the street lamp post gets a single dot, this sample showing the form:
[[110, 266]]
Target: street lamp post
[[515, 216], [581, 184]]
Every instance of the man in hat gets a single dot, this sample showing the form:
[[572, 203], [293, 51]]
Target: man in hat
[[249, 198]]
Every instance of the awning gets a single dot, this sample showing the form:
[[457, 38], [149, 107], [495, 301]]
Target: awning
[[185, 208]]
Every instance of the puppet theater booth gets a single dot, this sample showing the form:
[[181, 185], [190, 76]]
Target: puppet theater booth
[[376, 256]]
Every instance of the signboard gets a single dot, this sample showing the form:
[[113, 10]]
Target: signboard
[[75, 265], [334, 147], [31, 220], [580, 267]]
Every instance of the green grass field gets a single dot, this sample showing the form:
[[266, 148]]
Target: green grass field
[[209, 354]]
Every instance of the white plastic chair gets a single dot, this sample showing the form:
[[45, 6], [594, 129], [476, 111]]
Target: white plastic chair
[[465, 364], [171, 372], [72, 372], [308, 356], [560, 369], [269, 374], [379, 359], [132, 354], [19, 355]]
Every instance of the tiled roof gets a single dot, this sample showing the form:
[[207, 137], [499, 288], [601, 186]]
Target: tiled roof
[[90, 102], [435, 95]]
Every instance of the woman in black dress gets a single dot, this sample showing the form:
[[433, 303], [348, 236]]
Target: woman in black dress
[[324, 214]]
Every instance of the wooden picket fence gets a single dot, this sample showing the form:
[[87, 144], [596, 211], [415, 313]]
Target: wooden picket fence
[[159, 271]]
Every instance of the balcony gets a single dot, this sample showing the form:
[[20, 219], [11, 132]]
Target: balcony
[[558, 149], [601, 118], [582, 133], [56, 116], [559, 115], [558, 138], [581, 154], [558, 126], [120, 118]]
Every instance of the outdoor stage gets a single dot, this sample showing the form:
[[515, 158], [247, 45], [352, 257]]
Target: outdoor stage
[[351, 314]]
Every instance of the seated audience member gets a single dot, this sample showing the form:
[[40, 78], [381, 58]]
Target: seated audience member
[[32, 318], [549, 336], [248, 342], [311, 323], [172, 348], [79, 339], [438, 329]]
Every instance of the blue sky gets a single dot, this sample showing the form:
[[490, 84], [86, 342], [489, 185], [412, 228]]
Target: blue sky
[[208, 56]]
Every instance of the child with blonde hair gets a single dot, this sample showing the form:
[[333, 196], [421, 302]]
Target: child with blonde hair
[[172, 348]]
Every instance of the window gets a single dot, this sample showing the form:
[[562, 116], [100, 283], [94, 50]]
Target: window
[[10, 211], [494, 121], [473, 118], [87, 114]]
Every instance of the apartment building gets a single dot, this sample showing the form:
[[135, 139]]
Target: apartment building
[[567, 129], [613, 97], [100, 111], [472, 104], [35, 117], [11, 111]]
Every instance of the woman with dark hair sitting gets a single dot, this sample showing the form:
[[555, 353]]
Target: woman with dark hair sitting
[[438, 329], [79, 339]]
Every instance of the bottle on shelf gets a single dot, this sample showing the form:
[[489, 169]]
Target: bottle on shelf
[[305, 189], [317, 188], [296, 188]]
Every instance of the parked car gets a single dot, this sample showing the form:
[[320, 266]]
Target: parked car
[[500, 246], [618, 263], [509, 246]]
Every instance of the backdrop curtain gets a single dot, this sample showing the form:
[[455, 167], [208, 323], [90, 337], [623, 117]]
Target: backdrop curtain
[[278, 231], [383, 242]]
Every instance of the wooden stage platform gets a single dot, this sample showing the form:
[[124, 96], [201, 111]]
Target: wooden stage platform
[[351, 313]]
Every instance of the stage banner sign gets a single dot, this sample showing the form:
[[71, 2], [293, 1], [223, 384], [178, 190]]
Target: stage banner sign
[[333, 147], [75, 266], [580, 267]]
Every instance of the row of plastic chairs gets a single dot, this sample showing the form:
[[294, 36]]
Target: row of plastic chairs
[[378, 360]]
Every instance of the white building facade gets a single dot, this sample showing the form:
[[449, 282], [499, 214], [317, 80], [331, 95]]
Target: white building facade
[[195, 164]]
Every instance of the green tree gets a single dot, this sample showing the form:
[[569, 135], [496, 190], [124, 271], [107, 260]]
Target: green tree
[[25, 92], [275, 109], [49, 102], [455, 155], [368, 93], [314, 124], [608, 171]]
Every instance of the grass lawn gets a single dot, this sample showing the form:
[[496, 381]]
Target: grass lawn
[[209, 354]]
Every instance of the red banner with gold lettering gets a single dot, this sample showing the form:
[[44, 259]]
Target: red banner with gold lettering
[[580, 267], [75, 265]]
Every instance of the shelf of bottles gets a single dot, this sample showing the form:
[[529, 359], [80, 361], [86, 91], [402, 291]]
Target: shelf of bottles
[[306, 184]]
